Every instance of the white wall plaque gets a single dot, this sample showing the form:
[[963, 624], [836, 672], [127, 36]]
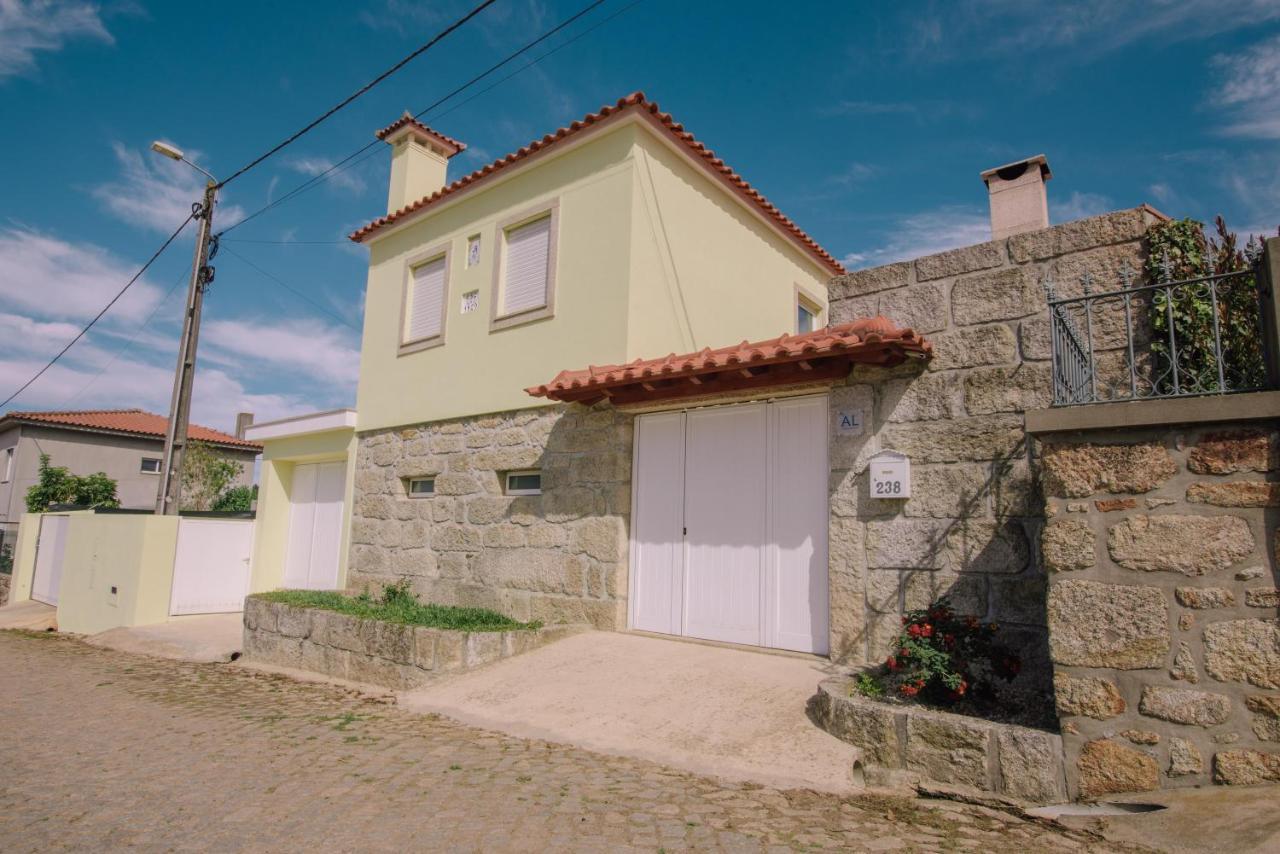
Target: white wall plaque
[[890, 475], [470, 301], [849, 422]]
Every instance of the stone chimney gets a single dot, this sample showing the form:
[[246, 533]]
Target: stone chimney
[[1017, 194], [244, 420], [419, 160]]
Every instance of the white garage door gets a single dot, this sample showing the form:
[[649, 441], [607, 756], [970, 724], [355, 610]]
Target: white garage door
[[729, 528], [211, 566], [315, 526], [50, 545]]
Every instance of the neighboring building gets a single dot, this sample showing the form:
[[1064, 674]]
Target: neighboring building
[[125, 444]]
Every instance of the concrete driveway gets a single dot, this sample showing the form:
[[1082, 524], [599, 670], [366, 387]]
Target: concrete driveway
[[206, 638], [726, 712]]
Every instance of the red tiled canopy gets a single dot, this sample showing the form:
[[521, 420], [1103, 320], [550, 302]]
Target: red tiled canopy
[[825, 354]]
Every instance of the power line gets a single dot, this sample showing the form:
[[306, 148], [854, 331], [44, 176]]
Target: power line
[[287, 242], [342, 164], [98, 316], [362, 90], [299, 294]]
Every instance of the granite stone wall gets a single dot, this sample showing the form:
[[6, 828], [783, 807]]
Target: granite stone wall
[[557, 557], [1162, 605], [971, 528]]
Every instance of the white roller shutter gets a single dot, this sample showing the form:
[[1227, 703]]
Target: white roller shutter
[[426, 301], [526, 266]]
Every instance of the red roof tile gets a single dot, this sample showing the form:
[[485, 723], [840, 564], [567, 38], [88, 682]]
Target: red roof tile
[[872, 340], [136, 422], [635, 102], [408, 120]]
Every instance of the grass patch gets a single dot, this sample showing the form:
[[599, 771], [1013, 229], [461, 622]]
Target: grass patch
[[398, 604]]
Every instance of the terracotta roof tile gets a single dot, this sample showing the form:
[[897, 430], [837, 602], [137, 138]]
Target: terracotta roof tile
[[408, 120], [868, 340], [635, 102], [136, 422]]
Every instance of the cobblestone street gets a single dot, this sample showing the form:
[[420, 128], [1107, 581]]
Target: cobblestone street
[[106, 751]]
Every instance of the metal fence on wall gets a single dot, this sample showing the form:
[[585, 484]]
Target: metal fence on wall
[[1167, 339]]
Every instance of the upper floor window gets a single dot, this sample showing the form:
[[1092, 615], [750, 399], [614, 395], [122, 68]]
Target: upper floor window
[[525, 273], [809, 312], [424, 303], [150, 465], [804, 319], [8, 464]]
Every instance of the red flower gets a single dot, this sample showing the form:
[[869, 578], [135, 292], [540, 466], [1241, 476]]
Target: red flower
[[908, 690], [904, 653], [926, 631], [963, 687], [892, 663]]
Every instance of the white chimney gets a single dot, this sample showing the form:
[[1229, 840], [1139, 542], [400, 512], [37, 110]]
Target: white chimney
[[419, 160], [1017, 195]]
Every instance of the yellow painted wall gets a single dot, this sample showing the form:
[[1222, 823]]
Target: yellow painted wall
[[275, 480], [133, 553], [653, 257]]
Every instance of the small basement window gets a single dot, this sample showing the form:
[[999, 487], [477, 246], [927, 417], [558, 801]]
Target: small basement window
[[150, 465], [421, 487], [524, 483]]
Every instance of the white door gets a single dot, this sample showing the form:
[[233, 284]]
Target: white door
[[315, 526], [211, 566], [50, 546], [729, 524]]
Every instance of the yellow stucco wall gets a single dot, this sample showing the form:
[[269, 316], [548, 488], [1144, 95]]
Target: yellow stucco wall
[[275, 481], [653, 257], [133, 553]]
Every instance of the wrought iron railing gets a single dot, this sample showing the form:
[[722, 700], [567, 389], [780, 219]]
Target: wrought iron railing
[[1167, 339]]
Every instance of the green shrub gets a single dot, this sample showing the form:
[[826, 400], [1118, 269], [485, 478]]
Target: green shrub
[[868, 685], [57, 485], [399, 604], [237, 499]]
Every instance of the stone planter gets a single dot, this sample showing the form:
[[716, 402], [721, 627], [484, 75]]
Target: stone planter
[[903, 743], [391, 655]]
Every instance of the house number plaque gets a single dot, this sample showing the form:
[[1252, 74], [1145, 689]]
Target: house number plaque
[[890, 475]]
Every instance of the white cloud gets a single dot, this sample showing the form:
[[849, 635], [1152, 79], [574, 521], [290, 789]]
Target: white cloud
[[155, 192], [1250, 90], [306, 346], [28, 27], [1079, 206], [855, 173], [49, 277], [919, 234], [345, 178]]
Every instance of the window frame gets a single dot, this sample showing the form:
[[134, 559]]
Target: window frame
[[10, 454], [410, 481], [506, 482], [142, 469], [499, 320], [810, 302], [405, 345]]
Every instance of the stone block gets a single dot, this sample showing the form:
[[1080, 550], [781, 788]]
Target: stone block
[[1107, 625], [487, 510], [1184, 665], [456, 483], [966, 591], [481, 648], [1018, 598], [506, 458], [1113, 505], [1031, 765], [1201, 598], [454, 538], [906, 544], [869, 281], [259, 615], [1266, 721], [1080, 470], [546, 536], [540, 570], [956, 262], [881, 634], [1262, 597], [1068, 545], [973, 346], [450, 650], [1087, 695], [1236, 493], [923, 398], [979, 545], [948, 748], [1077, 236], [884, 591], [414, 563], [852, 452], [1141, 736], [866, 724], [1245, 767], [392, 641], [921, 307], [1034, 339], [424, 647], [564, 504], [1233, 451], [1005, 294], [1190, 545], [984, 437], [344, 631], [1015, 489], [1108, 767], [603, 538], [1184, 706], [1007, 389], [293, 622], [849, 309], [1184, 758], [504, 536], [1244, 651]]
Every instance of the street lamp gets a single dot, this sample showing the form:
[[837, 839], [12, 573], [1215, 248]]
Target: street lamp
[[169, 493]]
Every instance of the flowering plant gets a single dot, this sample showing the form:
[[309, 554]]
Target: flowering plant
[[944, 658]]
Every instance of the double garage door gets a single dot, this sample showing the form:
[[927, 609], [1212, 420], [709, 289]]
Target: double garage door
[[729, 524], [315, 526]]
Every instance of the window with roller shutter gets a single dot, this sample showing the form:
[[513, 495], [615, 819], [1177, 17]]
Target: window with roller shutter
[[425, 303], [525, 275]]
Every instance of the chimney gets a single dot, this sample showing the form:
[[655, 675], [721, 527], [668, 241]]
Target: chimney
[[419, 160], [244, 420], [1017, 194]]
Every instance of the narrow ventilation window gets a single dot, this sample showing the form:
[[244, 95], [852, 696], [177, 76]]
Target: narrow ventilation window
[[421, 487]]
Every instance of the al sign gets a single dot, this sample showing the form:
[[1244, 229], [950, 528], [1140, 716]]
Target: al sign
[[890, 475]]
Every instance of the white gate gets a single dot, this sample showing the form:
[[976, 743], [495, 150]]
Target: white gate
[[50, 546], [211, 566], [315, 526]]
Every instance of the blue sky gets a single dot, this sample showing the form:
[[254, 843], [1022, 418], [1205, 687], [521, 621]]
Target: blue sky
[[867, 123]]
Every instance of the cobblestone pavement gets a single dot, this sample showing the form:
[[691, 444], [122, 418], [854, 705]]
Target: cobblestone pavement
[[107, 751]]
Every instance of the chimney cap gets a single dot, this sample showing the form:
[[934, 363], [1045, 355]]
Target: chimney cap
[[1017, 168], [407, 125]]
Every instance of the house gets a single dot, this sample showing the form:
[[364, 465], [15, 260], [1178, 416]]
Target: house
[[126, 444]]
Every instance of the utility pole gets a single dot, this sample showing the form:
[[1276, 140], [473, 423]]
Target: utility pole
[[168, 499]]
